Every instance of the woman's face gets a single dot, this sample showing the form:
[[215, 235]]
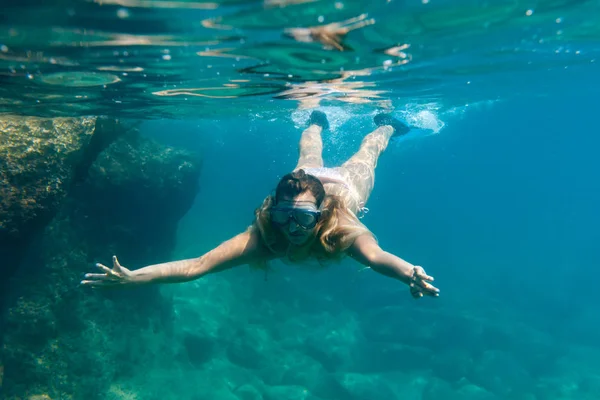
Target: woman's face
[[296, 217]]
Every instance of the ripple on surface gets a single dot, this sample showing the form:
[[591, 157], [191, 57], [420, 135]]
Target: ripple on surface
[[80, 79]]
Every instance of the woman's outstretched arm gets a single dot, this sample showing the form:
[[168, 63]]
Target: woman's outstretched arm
[[366, 251], [241, 249]]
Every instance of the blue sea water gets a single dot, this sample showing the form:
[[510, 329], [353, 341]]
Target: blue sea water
[[500, 206], [496, 196]]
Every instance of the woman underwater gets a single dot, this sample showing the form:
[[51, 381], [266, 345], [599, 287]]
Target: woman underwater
[[314, 213]]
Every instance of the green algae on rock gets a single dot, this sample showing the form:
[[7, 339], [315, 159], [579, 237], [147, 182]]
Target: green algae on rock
[[40, 159], [34, 157], [37, 162], [69, 341]]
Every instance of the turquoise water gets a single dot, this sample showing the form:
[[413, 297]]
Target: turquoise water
[[181, 59], [496, 196]]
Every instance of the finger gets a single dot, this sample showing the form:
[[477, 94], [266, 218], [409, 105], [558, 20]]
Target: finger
[[116, 264], [423, 285], [414, 290], [429, 289], [96, 276], [426, 286], [109, 273], [105, 268], [420, 273], [97, 283]]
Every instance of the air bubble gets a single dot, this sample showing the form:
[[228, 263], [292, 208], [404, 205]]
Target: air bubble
[[123, 13]]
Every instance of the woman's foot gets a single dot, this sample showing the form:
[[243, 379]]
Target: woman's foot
[[400, 128], [319, 118]]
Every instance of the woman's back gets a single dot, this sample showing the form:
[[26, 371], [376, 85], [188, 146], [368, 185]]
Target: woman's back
[[336, 182]]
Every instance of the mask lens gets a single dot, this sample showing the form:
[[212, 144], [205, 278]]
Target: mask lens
[[305, 218], [279, 216]]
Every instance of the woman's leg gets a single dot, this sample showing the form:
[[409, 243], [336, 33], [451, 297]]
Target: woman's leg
[[311, 144], [311, 148], [360, 168]]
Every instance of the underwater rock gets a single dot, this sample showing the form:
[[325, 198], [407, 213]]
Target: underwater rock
[[302, 370], [141, 189], [70, 341], [499, 372], [474, 392], [39, 397], [248, 392], [37, 162], [40, 159], [331, 355], [452, 364], [376, 357], [286, 367], [251, 349], [198, 349], [211, 394], [360, 387], [287, 392], [438, 389], [329, 340]]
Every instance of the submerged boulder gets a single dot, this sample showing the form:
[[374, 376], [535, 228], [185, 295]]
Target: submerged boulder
[[70, 342], [40, 159]]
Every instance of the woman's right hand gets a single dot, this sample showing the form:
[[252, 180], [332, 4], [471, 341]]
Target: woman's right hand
[[117, 276], [420, 284]]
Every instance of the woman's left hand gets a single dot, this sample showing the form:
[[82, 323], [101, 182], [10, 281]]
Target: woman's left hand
[[420, 284]]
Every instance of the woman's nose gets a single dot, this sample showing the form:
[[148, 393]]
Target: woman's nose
[[293, 226]]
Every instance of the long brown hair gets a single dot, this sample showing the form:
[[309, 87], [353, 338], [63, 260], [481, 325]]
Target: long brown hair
[[335, 231]]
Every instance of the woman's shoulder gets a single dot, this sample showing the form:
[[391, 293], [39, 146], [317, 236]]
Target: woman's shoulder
[[264, 248]]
